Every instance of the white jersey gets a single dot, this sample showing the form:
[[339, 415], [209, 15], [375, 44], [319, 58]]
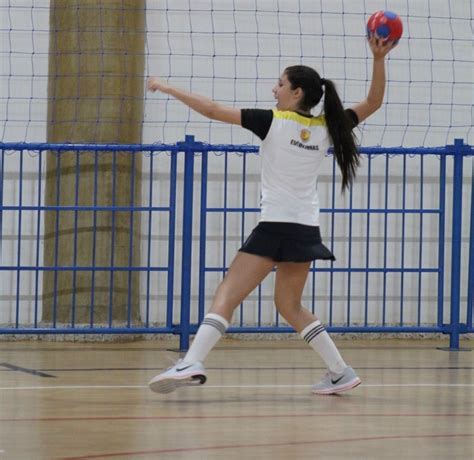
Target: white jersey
[[292, 154], [293, 149]]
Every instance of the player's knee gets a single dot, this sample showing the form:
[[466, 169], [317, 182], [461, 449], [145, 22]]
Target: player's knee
[[286, 306], [224, 305]]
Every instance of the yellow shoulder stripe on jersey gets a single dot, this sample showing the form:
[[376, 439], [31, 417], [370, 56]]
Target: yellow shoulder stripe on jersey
[[305, 121]]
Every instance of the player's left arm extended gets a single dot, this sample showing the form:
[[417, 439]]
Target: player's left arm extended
[[200, 104]]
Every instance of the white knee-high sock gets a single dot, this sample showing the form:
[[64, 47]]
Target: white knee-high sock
[[210, 331], [318, 339]]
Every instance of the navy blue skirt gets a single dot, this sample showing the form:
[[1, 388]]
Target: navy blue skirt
[[287, 242]]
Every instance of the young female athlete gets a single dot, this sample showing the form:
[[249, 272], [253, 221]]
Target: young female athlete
[[287, 237]]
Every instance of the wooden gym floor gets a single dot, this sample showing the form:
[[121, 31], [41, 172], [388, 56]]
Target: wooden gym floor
[[90, 401]]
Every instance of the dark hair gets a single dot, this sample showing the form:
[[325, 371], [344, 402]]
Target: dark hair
[[338, 123]]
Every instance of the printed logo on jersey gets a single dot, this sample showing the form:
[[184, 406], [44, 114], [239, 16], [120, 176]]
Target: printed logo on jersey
[[305, 134], [304, 146]]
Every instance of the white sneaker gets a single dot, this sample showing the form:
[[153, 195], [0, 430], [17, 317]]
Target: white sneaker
[[181, 374], [336, 383]]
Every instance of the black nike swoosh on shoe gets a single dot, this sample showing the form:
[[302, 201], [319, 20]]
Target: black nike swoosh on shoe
[[337, 380], [183, 368]]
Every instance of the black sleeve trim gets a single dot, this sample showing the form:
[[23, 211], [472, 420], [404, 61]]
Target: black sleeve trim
[[257, 120], [354, 119]]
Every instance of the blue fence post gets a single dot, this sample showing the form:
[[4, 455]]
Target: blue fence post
[[189, 147], [441, 237], [455, 326], [470, 273]]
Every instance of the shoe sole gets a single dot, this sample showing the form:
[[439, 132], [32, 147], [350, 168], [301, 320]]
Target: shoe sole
[[339, 389], [169, 384]]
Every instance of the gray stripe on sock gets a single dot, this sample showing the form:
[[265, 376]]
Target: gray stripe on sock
[[215, 324]]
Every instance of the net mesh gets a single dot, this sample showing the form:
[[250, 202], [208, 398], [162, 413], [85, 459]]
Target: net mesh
[[234, 50]]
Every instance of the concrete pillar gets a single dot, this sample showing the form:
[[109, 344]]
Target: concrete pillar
[[95, 94]]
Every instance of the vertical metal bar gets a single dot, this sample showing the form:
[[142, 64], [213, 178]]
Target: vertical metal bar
[[242, 223], [94, 238], [130, 240], [18, 271], [38, 231], [225, 204], [56, 236], [187, 242], [456, 244], [384, 289], [441, 237], [367, 246], [224, 239], [112, 244], [172, 240], [244, 189], [242, 237], [74, 252], [148, 255], [202, 237], [420, 235], [349, 261], [242, 230], [404, 200]]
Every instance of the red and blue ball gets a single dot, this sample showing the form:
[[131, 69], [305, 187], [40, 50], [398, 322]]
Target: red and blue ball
[[385, 25]]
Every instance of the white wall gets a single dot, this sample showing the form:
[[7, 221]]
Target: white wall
[[234, 54]]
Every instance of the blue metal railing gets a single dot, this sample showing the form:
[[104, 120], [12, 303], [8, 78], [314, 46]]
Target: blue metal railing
[[361, 315], [454, 327], [35, 207]]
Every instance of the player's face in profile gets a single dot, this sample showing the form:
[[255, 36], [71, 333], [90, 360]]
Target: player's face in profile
[[284, 95]]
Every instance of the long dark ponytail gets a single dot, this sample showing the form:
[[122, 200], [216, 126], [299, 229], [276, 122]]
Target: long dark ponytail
[[340, 131], [338, 122]]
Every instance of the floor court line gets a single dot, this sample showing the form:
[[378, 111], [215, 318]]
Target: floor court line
[[219, 417], [293, 368], [12, 367], [204, 387]]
